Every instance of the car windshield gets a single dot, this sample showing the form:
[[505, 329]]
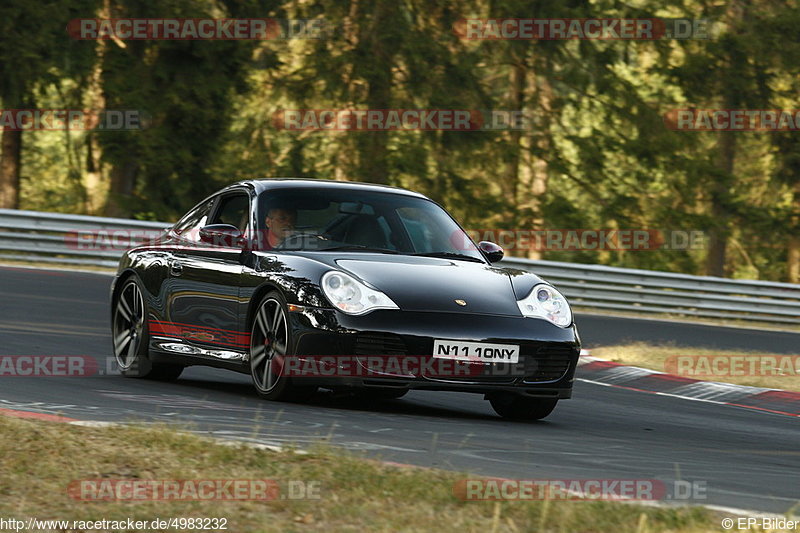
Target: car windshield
[[343, 220]]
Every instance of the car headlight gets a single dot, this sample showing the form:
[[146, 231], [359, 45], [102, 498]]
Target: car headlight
[[348, 294], [546, 302]]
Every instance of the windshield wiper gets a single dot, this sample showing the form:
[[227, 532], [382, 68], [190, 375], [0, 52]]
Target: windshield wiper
[[450, 255], [357, 248]]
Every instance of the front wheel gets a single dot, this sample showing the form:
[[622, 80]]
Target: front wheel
[[131, 336], [515, 407], [270, 345]]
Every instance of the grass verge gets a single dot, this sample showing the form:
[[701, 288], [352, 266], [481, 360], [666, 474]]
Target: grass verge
[[656, 357], [40, 459]]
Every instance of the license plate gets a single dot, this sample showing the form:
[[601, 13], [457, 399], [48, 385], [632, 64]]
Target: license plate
[[476, 351]]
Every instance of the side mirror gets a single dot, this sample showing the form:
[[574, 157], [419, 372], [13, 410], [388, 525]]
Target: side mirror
[[222, 235], [492, 251]]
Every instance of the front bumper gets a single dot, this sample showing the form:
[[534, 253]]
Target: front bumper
[[340, 351]]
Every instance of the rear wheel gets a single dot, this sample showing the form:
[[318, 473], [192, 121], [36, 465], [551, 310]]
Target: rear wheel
[[515, 407], [270, 345], [131, 336]]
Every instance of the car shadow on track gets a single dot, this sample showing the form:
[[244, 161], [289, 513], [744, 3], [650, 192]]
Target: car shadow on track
[[407, 406], [338, 400]]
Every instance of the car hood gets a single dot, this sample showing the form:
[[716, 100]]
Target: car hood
[[430, 284]]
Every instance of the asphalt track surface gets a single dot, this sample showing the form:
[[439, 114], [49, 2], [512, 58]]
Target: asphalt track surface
[[744, 458]]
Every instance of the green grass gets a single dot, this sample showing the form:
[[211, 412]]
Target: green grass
[[40, 459], [655, 357]]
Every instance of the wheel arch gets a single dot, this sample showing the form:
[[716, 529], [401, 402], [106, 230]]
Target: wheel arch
[[262, 290]]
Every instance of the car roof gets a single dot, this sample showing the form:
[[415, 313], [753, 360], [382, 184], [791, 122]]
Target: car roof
[[260, 185]]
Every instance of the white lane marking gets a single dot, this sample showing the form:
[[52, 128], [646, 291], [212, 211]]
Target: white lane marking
[[697, 390], [718, 391], [652, 392], [671, 395], [626, 373]]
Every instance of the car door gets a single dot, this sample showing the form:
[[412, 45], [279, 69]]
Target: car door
[[204, 303]]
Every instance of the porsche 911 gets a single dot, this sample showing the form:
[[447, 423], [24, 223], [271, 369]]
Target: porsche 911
[[373, 290]]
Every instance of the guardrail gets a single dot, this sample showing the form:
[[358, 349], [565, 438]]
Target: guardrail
[[647, 291], [85, 240], [70, 239]]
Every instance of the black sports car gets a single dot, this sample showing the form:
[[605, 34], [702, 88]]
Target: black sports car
[[365, 288]]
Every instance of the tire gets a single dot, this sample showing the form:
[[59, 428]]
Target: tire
[[270, 344], [515, 407], [381, 394], [131, 336]]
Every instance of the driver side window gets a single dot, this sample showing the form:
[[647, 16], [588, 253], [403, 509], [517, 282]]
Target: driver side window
[[188, 227], [234, 210]]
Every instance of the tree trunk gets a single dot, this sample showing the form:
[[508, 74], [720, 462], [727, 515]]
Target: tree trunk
[[96, 184], [373, 145], [719, 232], [10, 155], [793, 259], [441, 179], [516, 146], [793, 256], [726, 152], [537, 186], [123, 180]]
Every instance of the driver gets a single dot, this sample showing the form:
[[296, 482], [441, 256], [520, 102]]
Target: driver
[[280, 223]]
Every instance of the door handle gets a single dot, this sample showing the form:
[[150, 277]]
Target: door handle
[[175, 268]]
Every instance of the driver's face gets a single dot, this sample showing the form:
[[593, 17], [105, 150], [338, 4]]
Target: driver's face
[[281, 221]]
